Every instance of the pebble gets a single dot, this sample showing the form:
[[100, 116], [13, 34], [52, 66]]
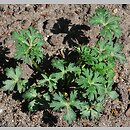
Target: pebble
[[1, 111], [128, 113], [115, 11], [27, 5]]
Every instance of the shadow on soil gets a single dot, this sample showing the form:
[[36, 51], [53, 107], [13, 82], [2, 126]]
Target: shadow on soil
[[5, 62], [74, 33], [49, 119]]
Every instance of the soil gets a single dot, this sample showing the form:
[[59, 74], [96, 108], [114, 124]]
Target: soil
[[61, 26]]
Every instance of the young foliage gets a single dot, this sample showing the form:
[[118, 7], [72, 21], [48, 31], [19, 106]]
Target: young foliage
[[110, 51], [30, 94], [14, 80], [85, 83], [32, 105], [50, 82], [107, 91], [29, 44], [93, 111], [91, 82], [87, 54], [101, 52], [64, 69], [60, 102], [109, 23]]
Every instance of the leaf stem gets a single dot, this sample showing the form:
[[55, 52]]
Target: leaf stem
[[38, 67]]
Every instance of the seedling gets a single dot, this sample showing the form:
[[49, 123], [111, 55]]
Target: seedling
[[78, 87], [59, 102], [29, 46], [14, 80], [109, 23]]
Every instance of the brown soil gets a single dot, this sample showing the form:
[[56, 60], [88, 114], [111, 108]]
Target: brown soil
[[47, 18]]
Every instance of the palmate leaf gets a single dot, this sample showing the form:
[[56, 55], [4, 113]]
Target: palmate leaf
[[99, 17], [70, 115], [104, 51], [58, 64], [109, 23], [14, 79], [8, 85], [73, 101], [29, 44], [21, 85], [46, 96], [49, 82], [91, 81], [85, 112], [105, 69], [113, 25], [91, 92], [93, 111], [60, 102], [107, 91], [32, 105], [118, 53], [64, 68], [109, 51], [109, 31], [113, 51], [30, 94], [88, 54], [113, 95], [13, 73], [94, 114], [72, 68]]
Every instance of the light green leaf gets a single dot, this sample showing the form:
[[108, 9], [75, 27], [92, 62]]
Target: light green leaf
[[8, 85], [31, 105], [29, 44], [58, 101], [46, 96], [113, 95], [30, 94], [70, 115]]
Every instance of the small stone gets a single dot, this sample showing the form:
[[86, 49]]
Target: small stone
[[115, 11], [27, 5], [128, 113], [34, 118], [45, 38], [1, 111], [128, 89]]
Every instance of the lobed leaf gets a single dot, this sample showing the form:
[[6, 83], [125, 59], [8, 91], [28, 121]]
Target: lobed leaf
[[70, 115], [29, 44], [30, 94]]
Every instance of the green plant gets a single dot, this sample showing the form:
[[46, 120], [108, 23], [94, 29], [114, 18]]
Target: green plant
[[50, 82], [59, 102], [14, 80], [29, 44], [76, 87], [91, 83], [109, 23], [93, 111], [64, 69]]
